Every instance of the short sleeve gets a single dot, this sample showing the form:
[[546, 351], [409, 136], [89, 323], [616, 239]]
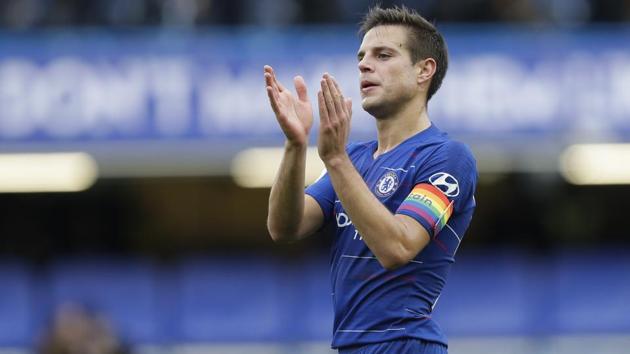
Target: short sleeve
[[324, 194], [322, 190], [444, 186]]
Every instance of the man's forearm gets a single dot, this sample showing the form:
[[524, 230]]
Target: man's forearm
[[381, 231], [286, 201]]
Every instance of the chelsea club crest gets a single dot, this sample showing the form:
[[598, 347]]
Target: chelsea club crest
[[387, 184]]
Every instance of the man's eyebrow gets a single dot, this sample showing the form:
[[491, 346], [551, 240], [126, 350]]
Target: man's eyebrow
[[378, 49], [383, 48]]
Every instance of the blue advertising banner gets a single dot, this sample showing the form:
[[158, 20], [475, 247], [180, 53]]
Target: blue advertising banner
[[207, 86]]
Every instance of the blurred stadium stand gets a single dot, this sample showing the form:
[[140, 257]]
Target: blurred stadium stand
[[261, 299], [164, 96], [51, 13]]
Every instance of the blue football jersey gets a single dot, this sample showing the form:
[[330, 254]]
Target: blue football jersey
[[428, 177]]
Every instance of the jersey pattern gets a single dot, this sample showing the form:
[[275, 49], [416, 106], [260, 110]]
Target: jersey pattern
[[428, 177]]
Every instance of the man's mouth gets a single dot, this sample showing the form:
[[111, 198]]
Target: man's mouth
[[366, 85]]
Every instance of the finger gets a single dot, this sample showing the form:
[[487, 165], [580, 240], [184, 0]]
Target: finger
[[343, 100], [272, 93], [324, 121], [271, 83], [328, 101], [300, 88], [335, 85], [268, 79], [338, 99], [269, 75], [348, 104], [275, 80], [273, 100]]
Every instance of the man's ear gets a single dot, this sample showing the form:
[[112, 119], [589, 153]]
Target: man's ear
[[425, 69]]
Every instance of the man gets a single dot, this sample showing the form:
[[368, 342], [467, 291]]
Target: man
[[401, 204]]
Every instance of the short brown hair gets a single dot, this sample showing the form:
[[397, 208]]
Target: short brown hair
[[424, 40]]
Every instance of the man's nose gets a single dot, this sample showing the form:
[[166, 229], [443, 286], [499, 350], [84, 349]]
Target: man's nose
[[365, 65]]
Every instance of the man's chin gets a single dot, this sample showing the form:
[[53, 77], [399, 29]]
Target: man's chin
[[369, 105], [368, 102]]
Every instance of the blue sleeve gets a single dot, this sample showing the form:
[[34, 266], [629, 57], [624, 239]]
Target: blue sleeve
[[324, 194], [453, 170], [443, 186]]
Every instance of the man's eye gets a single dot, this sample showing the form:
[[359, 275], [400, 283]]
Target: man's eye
[[383, 56]]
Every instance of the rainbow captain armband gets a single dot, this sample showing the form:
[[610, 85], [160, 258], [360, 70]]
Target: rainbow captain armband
[[426, 202]]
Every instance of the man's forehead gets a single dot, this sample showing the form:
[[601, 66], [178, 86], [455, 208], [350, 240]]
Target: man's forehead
[[385, 36]]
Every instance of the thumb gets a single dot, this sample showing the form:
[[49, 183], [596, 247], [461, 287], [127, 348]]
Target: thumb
[[300, 88], [349, 107]]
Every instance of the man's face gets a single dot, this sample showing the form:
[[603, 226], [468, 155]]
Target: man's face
[[388, 78]]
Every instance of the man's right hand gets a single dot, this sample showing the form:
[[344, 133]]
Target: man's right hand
[[295, 115]]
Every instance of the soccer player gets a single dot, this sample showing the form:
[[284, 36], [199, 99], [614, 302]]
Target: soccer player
[[401, 203]]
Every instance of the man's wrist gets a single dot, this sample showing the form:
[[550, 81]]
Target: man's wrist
[[336, 161], [295, 146]]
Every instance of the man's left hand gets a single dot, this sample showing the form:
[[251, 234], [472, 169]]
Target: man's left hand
[[335, 113]]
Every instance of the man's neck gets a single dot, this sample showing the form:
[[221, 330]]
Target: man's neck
[[397, 128]]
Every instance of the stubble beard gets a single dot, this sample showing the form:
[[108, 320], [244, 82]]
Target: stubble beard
[[378, 111], [383, 109]]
